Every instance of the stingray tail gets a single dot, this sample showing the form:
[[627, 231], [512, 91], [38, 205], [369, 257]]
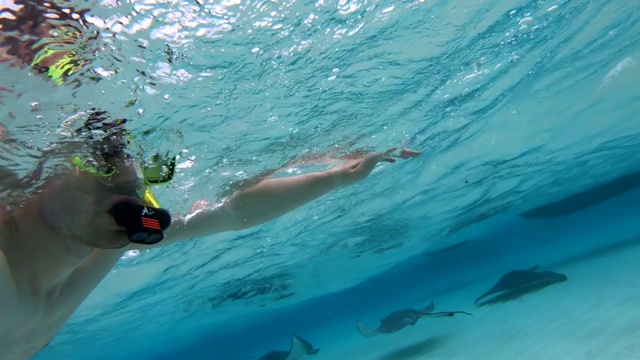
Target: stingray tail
[[365, 330], [428, 311], [447, 313]]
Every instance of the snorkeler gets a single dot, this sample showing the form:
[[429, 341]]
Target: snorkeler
[[60, 243]]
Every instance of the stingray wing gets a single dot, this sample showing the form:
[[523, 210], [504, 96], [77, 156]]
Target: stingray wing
[[299, 348], [518, 283], [365, 330], [508, 281]]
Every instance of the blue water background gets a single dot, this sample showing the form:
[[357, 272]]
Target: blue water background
[[512, 103], [508, 244]]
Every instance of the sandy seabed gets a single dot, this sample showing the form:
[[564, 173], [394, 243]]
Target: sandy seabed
[[593, 315]]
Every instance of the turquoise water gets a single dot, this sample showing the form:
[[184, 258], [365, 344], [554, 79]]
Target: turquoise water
[[513, 104]]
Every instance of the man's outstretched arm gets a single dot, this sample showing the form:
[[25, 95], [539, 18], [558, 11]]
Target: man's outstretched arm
[[273, 197]]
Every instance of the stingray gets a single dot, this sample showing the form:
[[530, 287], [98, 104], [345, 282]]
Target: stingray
[[299, 349], [517, 283], [400, 319]]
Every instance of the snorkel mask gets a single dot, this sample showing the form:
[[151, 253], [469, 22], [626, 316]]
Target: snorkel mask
[[144, 223]]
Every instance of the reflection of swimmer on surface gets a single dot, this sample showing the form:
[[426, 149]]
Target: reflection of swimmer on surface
[[30, 38], [299, 349], [59, 243], [400, 319]]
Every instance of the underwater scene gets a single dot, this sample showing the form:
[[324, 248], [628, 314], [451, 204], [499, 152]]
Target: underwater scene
[[514, 234]]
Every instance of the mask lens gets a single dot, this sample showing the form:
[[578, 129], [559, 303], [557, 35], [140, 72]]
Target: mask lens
[[159, 170]]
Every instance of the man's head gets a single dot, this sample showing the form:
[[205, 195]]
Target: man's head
[[76, 203]]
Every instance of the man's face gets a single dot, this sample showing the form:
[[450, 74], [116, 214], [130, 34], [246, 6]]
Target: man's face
[[77, 204]]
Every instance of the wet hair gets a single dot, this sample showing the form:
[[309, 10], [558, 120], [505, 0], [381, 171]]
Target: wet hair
[[99, 123], [105, 139]]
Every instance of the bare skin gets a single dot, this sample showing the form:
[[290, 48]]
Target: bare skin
[[58, 246]]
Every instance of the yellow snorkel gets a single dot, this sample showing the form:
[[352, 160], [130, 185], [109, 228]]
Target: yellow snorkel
[[148, 198]]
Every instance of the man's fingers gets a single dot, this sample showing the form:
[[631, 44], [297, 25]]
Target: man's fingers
[[408, 153], [404, 154], [390, 155]]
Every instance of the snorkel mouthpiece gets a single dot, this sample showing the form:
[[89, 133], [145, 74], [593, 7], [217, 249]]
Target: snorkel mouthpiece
[[144, 224]]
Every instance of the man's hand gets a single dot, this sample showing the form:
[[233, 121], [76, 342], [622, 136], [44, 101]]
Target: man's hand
[[359, 169]]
